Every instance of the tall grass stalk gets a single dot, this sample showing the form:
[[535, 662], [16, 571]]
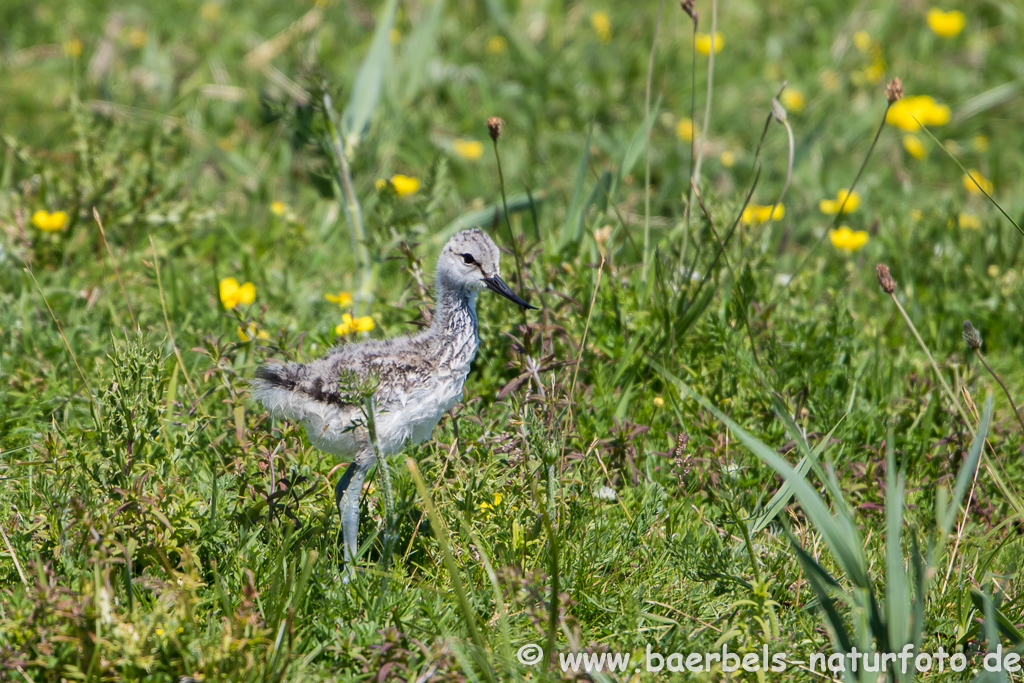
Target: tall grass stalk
[[440, 534], [508, 217], [647, 143], [350, 203], [707, 101]]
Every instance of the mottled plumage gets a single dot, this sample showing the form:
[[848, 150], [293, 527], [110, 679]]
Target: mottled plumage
[[419, 377]]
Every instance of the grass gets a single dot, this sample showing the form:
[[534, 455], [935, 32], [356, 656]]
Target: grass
[[749, 446]]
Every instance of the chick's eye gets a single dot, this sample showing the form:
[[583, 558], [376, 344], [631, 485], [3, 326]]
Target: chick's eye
[[468, 258]]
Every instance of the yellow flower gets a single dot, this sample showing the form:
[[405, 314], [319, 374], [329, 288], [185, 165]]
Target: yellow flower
[[159, 631], [137, 38], [232, 293], [921, 107], [972, 188], [759, 213], [980, 143], [993, 270], [50, 222], [968, 221], [73, 48], [703, 43], [488, 506], [602, 24], [830, 80], [403, 184], [251, 332], [832, 206], [862, 40], [210, 11], [916, 214], [278, 208], [946, 24], [685, 129], [875, 73], [496, 45], [728, 158], [914, 146], [343, 299], [658, 401], [846, 239], [469, 149], [395, 35], [792, 99], [363, 323]]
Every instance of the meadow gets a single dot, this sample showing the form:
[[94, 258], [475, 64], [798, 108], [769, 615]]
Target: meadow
[[725, 427]]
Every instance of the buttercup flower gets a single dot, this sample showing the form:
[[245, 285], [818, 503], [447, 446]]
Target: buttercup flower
[[980, 143], [703, 43], [946, 24], [728, 158], [278, 208], [972, 188], [343, 299], [210, 11], [73, 48], [488, 506], [846, 239], [496, 45], [832, 206], [792, 99], [251, 332], [968, 221], [232, 293], [658, 401], [685, 129], [137, 38], [363, 323], [921, 107], [403, 184], [862, 39], [469, 149], [602, 24], [50, 222], [759, 213], [914, 146]]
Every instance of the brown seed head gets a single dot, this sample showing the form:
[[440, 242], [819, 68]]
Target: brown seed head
[[494, 125], [894, 90], [885, 280], [971, 336], [690, 10]]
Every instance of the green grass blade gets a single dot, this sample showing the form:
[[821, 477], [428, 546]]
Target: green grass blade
[[411, 70], [468, 614], [897, 594], [839, 533], [369, 81], [573, 228], [810, 460], [966, 474]]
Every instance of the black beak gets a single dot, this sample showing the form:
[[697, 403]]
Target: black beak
[[496, 284]]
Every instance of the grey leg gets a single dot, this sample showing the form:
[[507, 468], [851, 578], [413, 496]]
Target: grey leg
[[346, 497]]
